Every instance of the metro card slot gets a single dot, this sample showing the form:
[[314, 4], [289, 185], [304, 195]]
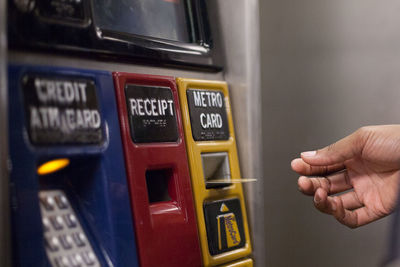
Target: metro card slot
[[216, 167], [232, 181]]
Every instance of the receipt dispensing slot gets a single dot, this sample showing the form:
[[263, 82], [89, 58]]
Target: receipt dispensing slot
[[159, 185], [68, 178], [157, 170], [219, 201]]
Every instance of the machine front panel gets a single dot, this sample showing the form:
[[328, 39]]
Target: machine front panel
[[157, 170], [223, 229], [74, 195]]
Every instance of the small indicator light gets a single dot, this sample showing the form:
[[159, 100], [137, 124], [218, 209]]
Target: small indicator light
[[52, 166]]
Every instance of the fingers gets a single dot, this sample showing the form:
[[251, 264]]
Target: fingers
[[301, 167], [332, 184], [352, 218], [324, 203], [350, 201], [338, 152], [339, 207]]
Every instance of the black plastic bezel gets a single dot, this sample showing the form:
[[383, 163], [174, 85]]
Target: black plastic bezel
[[30, 31]]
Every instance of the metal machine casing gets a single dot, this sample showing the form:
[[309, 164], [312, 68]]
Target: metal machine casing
[[5, 250], [72, 28], [226, 41]]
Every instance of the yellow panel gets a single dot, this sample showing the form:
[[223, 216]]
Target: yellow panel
[[241, 263], [201, 194]]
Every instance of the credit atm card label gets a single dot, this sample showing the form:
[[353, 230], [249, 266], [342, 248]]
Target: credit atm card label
[[61, 110], [151, 114], [208, 115], [224, 225]]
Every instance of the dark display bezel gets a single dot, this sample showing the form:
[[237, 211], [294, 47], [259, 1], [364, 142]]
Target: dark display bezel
[[28, 30]]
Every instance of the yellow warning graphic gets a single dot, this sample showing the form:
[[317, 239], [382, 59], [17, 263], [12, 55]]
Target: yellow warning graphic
[[223, 208], [228, 230]]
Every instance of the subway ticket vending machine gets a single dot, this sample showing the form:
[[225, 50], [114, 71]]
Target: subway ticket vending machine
[[157, 170], [110, 160], [215, 173], [69, 200]]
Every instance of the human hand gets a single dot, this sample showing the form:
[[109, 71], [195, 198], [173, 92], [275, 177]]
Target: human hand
[[366, 162]]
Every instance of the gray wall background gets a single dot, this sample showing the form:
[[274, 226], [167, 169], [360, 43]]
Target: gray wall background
[[328, 68]]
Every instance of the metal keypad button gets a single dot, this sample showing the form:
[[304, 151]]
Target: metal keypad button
[[62, 262], [61, 201], [66, 241], [79, 259], [48, 203], [52, 244], [57, 222], [73, 261], [46, 224], [79, 239], [88, 257], [70, 220]]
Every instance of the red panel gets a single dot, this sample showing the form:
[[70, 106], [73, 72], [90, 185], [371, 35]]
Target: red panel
[[166, 232]]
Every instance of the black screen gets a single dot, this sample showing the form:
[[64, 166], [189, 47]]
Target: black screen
[[165, 19]]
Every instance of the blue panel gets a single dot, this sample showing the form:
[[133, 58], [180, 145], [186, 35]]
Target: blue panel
[[95, 182]]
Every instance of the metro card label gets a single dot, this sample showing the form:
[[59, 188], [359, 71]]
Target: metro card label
[[224, 223]]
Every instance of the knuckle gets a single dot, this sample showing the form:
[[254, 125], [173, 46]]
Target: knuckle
[[318, 206], [327, 185], [365, 130], [322, 208], [350, 225], [331, 147]]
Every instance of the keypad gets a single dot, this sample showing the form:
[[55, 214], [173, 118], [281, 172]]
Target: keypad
[[65, 241]]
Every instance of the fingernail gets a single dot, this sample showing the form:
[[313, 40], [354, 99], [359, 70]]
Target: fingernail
[[317, 198], [293, 162], [309, 153]]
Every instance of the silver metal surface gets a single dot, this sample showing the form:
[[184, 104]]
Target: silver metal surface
[[239, 39], [329, 67], [5, 249], [63, 61]]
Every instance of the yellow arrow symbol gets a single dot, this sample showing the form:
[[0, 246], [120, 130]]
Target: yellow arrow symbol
[[223, 208]]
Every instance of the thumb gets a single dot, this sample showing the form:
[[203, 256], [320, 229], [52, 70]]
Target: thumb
[[338, 152]]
